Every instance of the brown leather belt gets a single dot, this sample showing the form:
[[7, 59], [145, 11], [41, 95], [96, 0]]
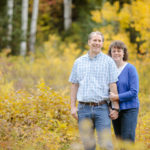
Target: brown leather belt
[[93, 103]]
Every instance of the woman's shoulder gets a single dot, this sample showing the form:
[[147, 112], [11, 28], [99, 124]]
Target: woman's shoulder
[[131, 68]]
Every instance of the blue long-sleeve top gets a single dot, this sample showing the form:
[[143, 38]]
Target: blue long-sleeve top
[[128, 87]]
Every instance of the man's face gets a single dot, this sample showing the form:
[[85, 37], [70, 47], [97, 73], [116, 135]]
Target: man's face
[[95, 44]]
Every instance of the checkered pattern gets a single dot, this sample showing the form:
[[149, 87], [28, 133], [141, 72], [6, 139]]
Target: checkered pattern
[[94, 76]]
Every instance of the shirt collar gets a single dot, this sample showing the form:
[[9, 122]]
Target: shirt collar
[[95, 57]]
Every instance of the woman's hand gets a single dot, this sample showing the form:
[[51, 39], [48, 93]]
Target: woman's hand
[[113, 97]]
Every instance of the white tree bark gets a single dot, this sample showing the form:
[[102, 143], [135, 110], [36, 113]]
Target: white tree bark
[[24, 26], [33, 25], [67, 14], [10, 4], [103, 2]]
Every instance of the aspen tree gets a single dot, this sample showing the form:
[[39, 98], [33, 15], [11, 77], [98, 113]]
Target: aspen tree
[[24, 26], [33, 26], [67, 14], [10, 4]]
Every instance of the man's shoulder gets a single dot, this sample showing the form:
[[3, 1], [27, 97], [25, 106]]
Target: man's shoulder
[[81, 58], [107, 57]]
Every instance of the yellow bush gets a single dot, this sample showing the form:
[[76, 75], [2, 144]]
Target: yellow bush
[[39, 118], [53, 65]]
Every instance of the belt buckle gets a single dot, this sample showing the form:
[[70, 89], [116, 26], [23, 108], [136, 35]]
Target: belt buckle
[[99, 103], [94, 104]]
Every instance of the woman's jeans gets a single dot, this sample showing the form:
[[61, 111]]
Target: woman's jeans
[[94, 117], [125, 125]]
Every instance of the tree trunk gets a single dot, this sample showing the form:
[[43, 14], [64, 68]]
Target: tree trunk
[[67, 14], [24, 17], [33, 26], [103, 2], [10, 4]]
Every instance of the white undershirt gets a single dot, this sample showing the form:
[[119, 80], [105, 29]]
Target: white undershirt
[[121, 68]]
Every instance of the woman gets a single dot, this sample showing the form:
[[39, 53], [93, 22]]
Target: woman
[[128, 88]]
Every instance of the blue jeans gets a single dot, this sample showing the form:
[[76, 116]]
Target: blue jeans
[[94, 117], [125, 125]]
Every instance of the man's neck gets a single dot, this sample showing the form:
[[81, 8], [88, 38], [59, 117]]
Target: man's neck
[[92, 54]]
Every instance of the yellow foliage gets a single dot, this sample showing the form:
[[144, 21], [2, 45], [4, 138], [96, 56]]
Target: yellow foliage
[[116, 23], [109, 12], [141, 14], [39, 118], [96, 16], [35, 116], [124, 16], [53, 65], [32, 114]]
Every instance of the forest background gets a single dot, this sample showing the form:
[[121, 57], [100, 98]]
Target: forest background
[[39, 41]]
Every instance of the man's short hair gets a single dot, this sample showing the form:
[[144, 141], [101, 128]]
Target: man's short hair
[[120, 45], [95, 33]]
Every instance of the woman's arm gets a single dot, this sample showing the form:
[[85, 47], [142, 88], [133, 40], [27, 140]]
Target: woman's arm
[[133, 82], [133, 87]]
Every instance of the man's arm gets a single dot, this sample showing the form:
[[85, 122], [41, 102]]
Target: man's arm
[[74, 90], [115, 102], [113, 89]]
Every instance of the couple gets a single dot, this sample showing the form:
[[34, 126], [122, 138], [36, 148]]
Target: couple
[[98, 81]]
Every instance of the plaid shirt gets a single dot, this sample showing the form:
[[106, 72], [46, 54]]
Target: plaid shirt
[[94, 76]]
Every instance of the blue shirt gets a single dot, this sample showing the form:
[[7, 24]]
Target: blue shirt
[[128, 87], [94, 76]]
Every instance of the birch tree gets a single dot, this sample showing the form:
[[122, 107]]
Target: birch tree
[[24, 26], [67, 14], [10, 4], [33, 25], [103, 2]]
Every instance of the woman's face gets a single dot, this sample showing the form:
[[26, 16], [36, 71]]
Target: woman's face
[[117, 54]]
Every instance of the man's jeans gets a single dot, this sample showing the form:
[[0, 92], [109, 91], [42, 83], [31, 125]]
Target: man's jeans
[[125, 125], [94, 117]]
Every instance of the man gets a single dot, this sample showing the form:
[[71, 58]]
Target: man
[[93, 76]]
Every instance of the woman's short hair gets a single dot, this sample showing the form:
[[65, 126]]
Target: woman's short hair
[[120, 45], [97, 33]]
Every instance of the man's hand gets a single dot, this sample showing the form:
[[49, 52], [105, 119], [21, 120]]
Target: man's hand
[[114, 98], [74, 112], [113, 114]]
